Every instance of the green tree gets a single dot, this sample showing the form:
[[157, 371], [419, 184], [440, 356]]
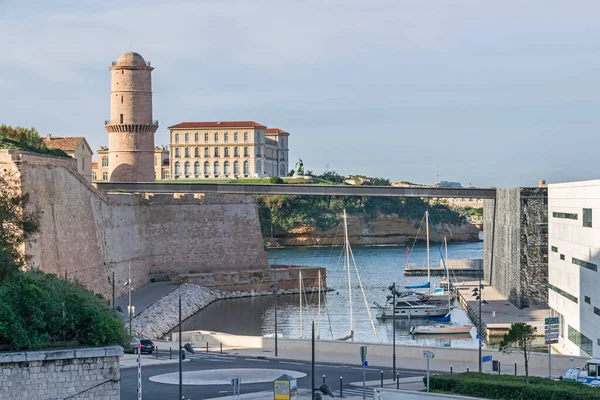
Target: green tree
[[27, 136], [332, 177], [520, 336], [16, 224]]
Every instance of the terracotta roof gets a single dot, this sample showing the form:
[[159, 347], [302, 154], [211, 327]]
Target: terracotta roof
[[94, 164], [63, 143], [220, 124], [276, 131]]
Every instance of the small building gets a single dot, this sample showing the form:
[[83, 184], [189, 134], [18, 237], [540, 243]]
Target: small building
[[574, 257], [75, 146], [227, 149], [100, 169]]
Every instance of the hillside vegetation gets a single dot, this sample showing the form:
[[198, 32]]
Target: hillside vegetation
[[27, 139]]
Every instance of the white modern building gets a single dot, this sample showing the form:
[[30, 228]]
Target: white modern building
[[573, 260]]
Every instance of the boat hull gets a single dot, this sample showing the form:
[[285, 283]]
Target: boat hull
[[439, 330], [413, 312]]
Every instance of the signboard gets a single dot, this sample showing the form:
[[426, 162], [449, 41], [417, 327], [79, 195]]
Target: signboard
[[428, 354], [486, 359], [363, 353], [551, 321], [365, 363], [553, 341], [479, 336], [551, 329], [285, 388]]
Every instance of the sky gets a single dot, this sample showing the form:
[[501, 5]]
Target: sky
[[497, 93]]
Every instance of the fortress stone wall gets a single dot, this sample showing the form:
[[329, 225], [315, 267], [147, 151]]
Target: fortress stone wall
[[86, 234]]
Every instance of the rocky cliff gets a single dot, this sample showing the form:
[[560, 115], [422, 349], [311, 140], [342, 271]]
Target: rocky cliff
[[363, 230]]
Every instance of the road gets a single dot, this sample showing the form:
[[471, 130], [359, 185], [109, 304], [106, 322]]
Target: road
[[203, 361]]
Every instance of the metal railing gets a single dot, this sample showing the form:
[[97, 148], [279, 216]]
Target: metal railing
[[110, 122]]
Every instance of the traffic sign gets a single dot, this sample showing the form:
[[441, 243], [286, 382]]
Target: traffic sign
[[479, 336], [552, 329], [363, 353], [365, 363], [551, 320], [553, 341], [550, 336], [428, 354], [486, 358]]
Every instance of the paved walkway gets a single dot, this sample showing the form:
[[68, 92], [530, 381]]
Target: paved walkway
[[130, 360], [144, 297]]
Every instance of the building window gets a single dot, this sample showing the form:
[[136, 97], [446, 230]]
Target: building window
[[187, 152], [206, 137], [226, 136], [83, 164], [258, 167], [121, 118], [177, 138], [257, 137], [197, 168], [226, 152], [245, 152], [587, 299], [216, 136], [245, 136], [187, 137], [236, 152], [206, 168], [94, 175], [176, 152], [121, 99], [596, 310], [105, 176], [206, 152], [235, 136], [258, 152], [105, 161], [236, 167], [282, 171], [197, 152], [196, 137], [167, 174], [216, 152], [563, 293], [226, 168], [554, 249], [155, 161], [580, 340], [564, 215], [585, 264], [177, 168], [562, 256], [216, 170], [186, 168], [246, 167], [587, 217]]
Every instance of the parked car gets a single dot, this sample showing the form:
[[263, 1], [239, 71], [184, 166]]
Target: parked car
[[145, 345]]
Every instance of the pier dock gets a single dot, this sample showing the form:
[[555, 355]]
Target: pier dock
[[461, 267]]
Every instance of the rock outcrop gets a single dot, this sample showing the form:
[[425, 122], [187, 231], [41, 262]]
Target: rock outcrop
[[385, 229]]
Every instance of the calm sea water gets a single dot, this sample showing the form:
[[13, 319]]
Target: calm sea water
[[377, 267]]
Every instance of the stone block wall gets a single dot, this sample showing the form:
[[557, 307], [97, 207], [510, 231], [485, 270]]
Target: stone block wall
[[85, 235], [520, 267], [90, 374]]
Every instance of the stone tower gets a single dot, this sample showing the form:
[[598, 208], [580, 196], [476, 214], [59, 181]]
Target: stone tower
[[131, 128]]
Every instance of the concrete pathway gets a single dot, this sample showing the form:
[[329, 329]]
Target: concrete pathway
[[224, 376], [144, 297], [130, 361]]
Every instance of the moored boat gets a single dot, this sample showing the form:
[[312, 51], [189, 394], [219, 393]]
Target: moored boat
[[440, 329]]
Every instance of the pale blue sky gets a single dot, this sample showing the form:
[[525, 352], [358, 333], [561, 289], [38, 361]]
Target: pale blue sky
[[497, 93]]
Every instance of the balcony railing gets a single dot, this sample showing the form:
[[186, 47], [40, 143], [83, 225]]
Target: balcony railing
[[116, 122]]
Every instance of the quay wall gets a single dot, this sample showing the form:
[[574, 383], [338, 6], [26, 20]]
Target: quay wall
[[85, 234], [78, 374]]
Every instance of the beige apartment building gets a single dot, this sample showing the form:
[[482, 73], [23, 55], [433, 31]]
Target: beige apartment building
[[228, 149], [75, 146], [100, 169]]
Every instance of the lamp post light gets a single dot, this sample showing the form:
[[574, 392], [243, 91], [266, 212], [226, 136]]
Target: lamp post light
[[276, 293], [394, 294], [182, 349]]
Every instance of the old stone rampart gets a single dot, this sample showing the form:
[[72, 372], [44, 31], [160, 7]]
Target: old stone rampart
[[86, 235], [90, 373]]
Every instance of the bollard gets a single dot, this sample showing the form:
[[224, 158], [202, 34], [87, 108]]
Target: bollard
[[207, 347], [515, 369], [170, 354], [341, 384], [498, 367], [323, 378], [397, 380], [221, 348], [451, 370], [381, 378], [157, 352]]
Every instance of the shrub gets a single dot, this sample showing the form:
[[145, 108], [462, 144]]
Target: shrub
[[40, 310], [511, 387], [276, 179]]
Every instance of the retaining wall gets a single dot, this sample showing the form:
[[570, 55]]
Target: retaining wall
[[84, 374]]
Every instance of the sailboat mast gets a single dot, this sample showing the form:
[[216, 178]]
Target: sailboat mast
[[347, 249], [319, 309], [447, 271], [428, 273]]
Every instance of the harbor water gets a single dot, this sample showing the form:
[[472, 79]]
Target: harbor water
[[378, 267]]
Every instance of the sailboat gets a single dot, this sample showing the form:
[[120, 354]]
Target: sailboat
[[442, 329], [349, 256], [414, 304]]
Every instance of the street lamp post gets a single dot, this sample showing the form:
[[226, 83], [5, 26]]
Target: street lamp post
[[394, 292], [179, 355], [480, 326], [276, 295]]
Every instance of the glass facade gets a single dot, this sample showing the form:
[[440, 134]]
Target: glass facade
[[583, 342]]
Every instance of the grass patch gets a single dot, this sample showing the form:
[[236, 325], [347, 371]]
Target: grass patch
[[291, 181], [508, 387]]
